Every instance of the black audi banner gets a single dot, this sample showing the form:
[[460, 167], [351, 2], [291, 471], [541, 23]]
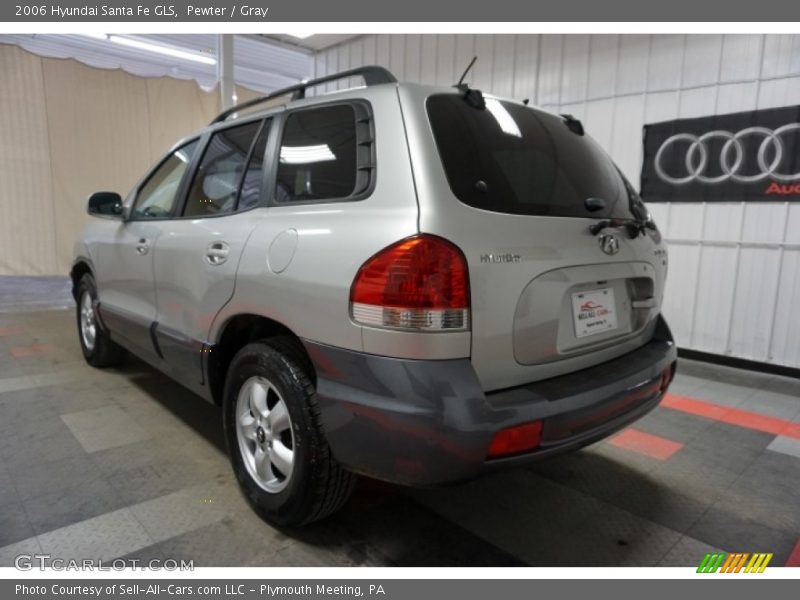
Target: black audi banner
[[751, 156]]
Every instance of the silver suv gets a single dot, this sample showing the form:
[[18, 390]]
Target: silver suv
[[417, 284]]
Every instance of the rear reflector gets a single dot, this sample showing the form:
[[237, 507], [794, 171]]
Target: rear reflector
[[516, 440], [666, 378], [419, 284]]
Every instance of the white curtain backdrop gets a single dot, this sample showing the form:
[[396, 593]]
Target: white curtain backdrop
[[67, 130]]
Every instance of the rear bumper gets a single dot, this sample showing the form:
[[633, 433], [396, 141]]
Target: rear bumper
[[423, 423]]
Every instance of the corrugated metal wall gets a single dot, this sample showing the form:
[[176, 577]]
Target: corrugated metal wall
[[734, 282]]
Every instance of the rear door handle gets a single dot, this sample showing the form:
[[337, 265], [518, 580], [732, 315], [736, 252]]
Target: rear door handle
[[217, 253], [143, 246], [646, 303]]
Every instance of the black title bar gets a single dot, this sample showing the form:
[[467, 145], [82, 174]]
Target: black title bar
[[473, 11]]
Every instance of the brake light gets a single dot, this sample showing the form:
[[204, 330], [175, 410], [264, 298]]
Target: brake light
[[515, 440], [420, 283]]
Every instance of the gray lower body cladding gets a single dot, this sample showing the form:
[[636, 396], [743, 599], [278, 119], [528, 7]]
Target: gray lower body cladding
[[425, 423]]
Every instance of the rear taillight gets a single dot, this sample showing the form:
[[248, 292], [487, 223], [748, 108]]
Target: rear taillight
[[420, 283]]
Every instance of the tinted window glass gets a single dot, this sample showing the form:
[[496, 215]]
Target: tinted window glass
[[216, 183], [513, 159], [251, 184], [156, 198], [318, 155]]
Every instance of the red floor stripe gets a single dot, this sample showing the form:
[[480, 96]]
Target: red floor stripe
[[23, 351], [4, 331], [645, 443], [732, 416], [794, 557]]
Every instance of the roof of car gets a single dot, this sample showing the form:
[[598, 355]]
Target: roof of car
[[372, 75]]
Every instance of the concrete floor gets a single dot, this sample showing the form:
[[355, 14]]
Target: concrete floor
[[126, 463]]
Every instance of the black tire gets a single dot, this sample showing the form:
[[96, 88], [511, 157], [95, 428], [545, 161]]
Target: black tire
[[103, 352], [318, 486]]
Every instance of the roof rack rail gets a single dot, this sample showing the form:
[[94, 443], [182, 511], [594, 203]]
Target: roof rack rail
[[373, 75]]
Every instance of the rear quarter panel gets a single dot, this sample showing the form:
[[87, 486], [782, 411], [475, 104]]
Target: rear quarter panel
[[325, 243]]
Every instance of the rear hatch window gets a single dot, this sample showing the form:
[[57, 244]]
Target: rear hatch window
[[509, 158]]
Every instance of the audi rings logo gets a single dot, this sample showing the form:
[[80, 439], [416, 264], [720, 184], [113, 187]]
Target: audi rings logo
[[747, 156], [727, 164]]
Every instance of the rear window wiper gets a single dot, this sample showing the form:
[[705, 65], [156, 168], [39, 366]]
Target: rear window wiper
[[633, 227]]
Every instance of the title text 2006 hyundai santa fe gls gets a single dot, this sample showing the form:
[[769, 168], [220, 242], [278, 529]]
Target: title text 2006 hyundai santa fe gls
[[417, 284]]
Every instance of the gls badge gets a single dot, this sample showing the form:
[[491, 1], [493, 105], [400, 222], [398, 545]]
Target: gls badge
[[609, 243]]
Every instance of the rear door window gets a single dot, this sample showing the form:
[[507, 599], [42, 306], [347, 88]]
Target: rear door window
[[510, 158], [215, 187], [318, 156]]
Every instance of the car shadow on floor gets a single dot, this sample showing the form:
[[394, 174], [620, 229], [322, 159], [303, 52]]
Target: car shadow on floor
[[517, 517], [560, 512], [202, 416]]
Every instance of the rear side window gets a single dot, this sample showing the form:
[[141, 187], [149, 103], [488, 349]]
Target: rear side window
[[318, 156], [513, 159], [215, 187]]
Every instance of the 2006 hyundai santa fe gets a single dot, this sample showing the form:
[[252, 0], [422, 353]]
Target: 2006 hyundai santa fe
[[417, 284]]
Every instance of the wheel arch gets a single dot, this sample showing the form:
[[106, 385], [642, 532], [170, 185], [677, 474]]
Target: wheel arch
[[80, 267], [238, 331]]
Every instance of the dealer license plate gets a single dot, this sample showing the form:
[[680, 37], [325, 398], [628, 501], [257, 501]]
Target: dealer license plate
[[594, 312]]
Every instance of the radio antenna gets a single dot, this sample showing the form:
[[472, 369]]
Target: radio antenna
[[461, 81]]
